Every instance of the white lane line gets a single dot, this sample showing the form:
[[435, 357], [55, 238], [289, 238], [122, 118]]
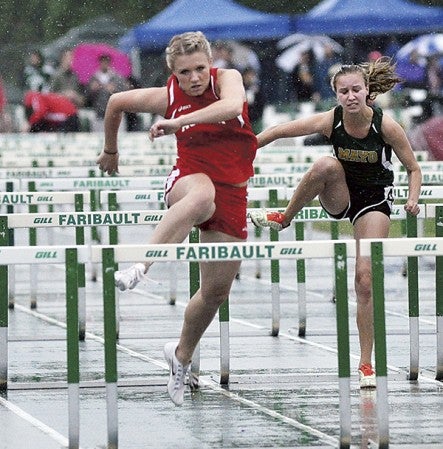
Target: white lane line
[[52, 433], [272, 413], [294, 423]]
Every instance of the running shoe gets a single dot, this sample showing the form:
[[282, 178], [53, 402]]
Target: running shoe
[[177, 374], [129, 278], [367, 376], [263, 219]]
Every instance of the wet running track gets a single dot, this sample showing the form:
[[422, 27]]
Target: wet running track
[[283, 391]]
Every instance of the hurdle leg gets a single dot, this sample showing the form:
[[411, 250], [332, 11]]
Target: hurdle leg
[[342, 319], [334, 236], [301, 282], [11, 268], [194, 285], [33, 242], [73, 360], [80, 240], [275, 274], [275, 289], [258, 232], [412, 270], [439, 295], [380, 343], [172, 283], [11, 282], [95, 235], [33, 282], [223, 316], [110, 334], [3, 327]]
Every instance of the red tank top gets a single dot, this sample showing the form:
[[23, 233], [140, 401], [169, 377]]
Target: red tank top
[[224, 151]]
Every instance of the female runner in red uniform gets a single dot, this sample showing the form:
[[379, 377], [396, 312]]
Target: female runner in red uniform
[[206, 109]]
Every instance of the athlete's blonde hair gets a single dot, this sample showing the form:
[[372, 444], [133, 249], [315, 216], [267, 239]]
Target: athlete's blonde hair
[[379, 76], [186, 44]]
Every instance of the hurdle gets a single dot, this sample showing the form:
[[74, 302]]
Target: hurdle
[[378, 250], [33, 199], [436, 211], [339, 251], [78, 220], [70, 256]]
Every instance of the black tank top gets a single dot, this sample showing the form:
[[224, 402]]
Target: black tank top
[[366, 161]]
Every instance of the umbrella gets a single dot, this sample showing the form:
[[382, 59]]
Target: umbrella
[[426, 45], [85, 60], [103, 29], [296, 44]]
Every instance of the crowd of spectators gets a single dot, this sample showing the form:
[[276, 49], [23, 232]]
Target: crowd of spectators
[[308, 84], [54, 96]]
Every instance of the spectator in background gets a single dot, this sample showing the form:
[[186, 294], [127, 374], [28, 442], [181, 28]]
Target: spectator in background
[[36, 73], [432, 105], [392, 47], [102, 85], [374, 55], [303, 78], [5, 118], [64, 81], [222, 55], [254, 97], [412, 71], [50, 112], [324, 95], [133, 120]]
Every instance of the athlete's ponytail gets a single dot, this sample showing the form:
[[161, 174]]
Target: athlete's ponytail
[[379, 76]]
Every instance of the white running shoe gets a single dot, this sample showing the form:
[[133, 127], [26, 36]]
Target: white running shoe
[[129, 278], [177, 374], [263, 219]]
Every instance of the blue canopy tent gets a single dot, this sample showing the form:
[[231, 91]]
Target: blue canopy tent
[[218, 19], [375, 17]]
